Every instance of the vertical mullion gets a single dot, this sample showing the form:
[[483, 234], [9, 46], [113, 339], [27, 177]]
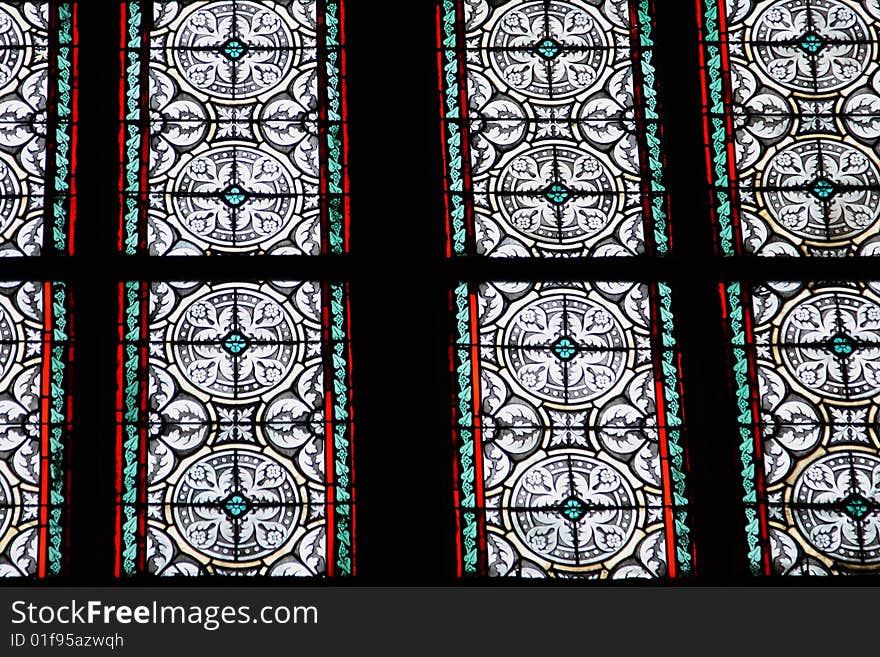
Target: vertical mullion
[[713, 478], [93, 296], [399, 303]]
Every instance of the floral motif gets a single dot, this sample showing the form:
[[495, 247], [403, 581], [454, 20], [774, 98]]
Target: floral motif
[[761, 116], [504, 560], [788, 558], [557, 194], [832, 345], [234, 50], [587, 367], [6, 504], [823, 190], [573, 509], [849, 426], [627, 427], [21, 556], [861, 111], [236, 505], [12, 53], [548, 49], [568, 429], [496, 122], [790, 425], [290, 123], [8, 338], [235, 122], [20, 424], [178, 423], [812, 47], [294, 424], [199, 342], [308, 559], [608, 121], [23, 123], [834, 503], [649, 562], [235, 424], [22, 472], [177, 123], [511, 428], [233, 196]]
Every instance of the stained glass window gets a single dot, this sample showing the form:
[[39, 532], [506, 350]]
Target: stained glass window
[[234, 427], [809, 385], [792, 129], [234, 430], [569, 435], [241, 145], [551, 129], [35, 339], [38, 125], [794, 172], [38, 88], [569, 432]]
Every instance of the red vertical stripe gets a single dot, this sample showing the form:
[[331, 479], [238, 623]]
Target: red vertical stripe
[[731, 149], [478, 439], [754, 401], [663, 437], [328, 438], [142, 429], [120, 428], [344, 129], [45, 448], [123, 45], [353, 509], [74, 132]]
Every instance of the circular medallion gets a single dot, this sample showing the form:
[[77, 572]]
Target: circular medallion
[[565, 348], [8, 339], [10, 196], [235, 343], [548, 50], [831, 345], [236, 505], [573, 509], [813, 47], [557, 194], [823, 190], [6, 509], [233, 49], [835, 506], [12, 51], [235, 196]]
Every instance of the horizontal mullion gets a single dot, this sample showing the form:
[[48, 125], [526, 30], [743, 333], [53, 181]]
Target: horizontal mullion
[[463, 268]]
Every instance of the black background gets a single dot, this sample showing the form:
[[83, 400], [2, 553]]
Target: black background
[[400, 281]]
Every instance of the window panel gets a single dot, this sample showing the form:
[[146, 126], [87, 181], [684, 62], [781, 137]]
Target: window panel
[[35, 341], [808, 378], [234, 430], [569, 431], [551, 129], [241, 147], [792, 100], [38, 54]]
